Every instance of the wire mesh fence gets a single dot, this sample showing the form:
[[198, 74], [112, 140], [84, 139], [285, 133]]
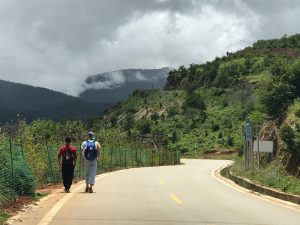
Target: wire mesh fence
[[22, 170], [16, 178]]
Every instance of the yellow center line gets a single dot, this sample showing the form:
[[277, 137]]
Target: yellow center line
[[176, 199], [162, 183]]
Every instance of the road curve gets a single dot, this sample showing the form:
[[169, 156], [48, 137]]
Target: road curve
[[185, 194]]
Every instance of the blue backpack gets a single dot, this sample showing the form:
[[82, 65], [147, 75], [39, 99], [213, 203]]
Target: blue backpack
[[90, 152]]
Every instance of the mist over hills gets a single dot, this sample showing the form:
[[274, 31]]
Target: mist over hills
[[117, 85], [102, 92]]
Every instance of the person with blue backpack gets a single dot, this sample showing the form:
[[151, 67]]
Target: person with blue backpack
[[91, 158]]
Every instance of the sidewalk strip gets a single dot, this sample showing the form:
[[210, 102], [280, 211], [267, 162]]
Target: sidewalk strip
[[53, 211]]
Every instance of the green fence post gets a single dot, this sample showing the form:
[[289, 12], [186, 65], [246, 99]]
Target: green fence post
[[152, 160], [141, 159], [159, 159], [120, 157], [125, 157], [12, 163], [131, 156], [115, 158], [136, 157], [111, 156], [79, 164], [102, 156], [50, 164]]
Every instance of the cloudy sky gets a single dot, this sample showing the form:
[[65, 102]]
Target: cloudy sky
[[58, 43]]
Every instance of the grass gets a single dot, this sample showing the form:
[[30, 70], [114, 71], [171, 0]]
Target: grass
[[221, 157], [272, 175], [39, 195], [3, 217]]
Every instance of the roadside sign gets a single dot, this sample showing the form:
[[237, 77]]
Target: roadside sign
[[248, 130], [263, 146]]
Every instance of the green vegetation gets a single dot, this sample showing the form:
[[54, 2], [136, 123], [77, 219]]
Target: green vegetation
[[293, 125], [3, 217], [206, 104], [203, 107], [39, 195], [272, 175], [29, 154], [286, 42], [16, 178]]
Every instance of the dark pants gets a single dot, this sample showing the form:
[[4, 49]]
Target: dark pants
[[67, 171]]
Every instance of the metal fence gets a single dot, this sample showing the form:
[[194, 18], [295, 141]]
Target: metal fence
[[21, 172], [114, 158], [15, 174]]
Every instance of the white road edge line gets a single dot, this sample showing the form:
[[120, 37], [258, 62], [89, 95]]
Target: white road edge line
[[260, 196], [53, 211]]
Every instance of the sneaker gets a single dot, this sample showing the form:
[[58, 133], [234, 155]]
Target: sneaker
[[86, 189], [90, 190], [67, 190]]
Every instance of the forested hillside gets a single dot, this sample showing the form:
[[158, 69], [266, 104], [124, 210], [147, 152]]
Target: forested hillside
[[36, 102], [204, 106]]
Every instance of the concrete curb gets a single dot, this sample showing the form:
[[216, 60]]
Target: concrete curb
[[226, 172]]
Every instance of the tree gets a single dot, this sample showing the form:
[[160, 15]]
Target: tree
[[129, 122], [195, 101], [174, 136], [144, 126], [114, 121], [276, 98]]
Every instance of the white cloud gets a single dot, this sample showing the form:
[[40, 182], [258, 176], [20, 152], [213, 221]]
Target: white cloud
[[171, 39], [58, 43], [109, 80]]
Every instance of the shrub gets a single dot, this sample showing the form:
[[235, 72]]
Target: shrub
[[174, 136], [114, 121], [24, 181], [132, 110], [195, 101], [155, 116], [226, 123], [129, 122], [136, 92], [297, 113], [172, 111], [215, 127], [287, 134], [144, 126], [229, 141]]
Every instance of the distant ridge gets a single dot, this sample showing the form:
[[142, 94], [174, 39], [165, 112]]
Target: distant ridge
[[37, 102], [118, 85]]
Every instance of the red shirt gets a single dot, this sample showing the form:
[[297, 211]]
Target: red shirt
[[71, 148]]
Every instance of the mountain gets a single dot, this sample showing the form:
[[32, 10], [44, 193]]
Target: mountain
[[118, 85], [36, 102], [205, 106]]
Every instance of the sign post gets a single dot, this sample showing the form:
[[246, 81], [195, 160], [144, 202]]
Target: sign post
[[248, 145]]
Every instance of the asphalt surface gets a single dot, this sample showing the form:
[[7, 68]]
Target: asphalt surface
[[186, 194]]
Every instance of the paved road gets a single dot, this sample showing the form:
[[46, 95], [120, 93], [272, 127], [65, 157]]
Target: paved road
[[186, 195]]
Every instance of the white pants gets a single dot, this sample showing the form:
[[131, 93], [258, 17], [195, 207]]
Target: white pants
[[90, 171]]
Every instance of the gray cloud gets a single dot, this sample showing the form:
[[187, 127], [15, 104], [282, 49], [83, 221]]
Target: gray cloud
[[58, 43]]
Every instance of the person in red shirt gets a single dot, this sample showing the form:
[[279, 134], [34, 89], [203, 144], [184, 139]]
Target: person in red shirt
[[67, 156]]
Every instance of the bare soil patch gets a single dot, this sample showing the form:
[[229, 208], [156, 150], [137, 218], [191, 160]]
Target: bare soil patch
[[23, 201]]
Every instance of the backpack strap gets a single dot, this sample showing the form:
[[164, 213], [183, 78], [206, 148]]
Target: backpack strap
[[68, 150]]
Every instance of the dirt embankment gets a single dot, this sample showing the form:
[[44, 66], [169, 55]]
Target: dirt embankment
[[289, 159]]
